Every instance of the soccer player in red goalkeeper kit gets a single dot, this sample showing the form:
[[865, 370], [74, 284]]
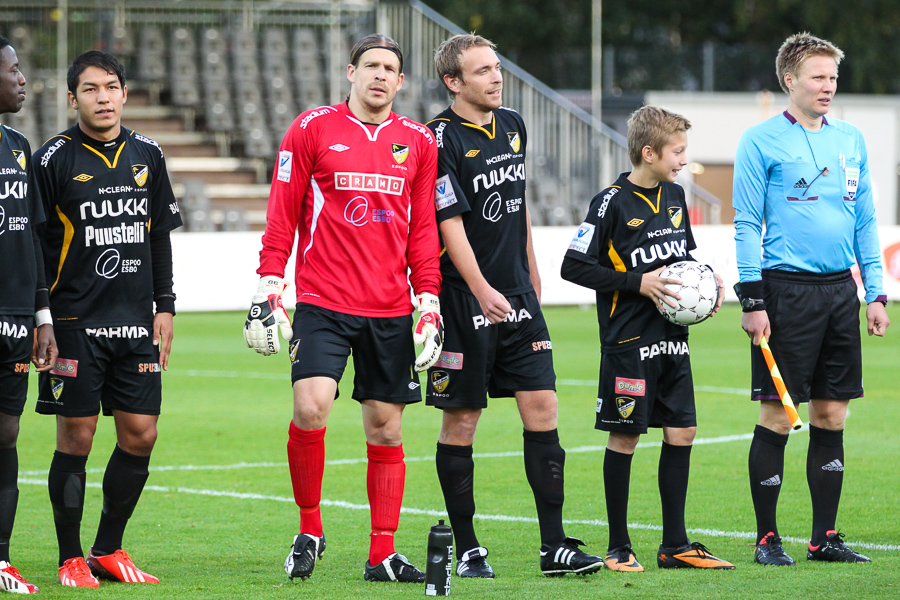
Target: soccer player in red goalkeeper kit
[[355, 181]]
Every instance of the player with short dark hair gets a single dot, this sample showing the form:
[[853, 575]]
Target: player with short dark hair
[[354, 181], [807, 178], [26, 330], [633, 230], [497, 342], [108, 259]]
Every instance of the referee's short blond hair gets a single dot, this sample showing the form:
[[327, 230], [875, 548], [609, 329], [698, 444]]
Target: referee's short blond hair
[[798, 48], [652, 126]]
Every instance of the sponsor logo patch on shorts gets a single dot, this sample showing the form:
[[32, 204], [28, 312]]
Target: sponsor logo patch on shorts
[[149, 368], [23, 367], [450, 360], [599, 404], [630, 387], [542, 345], [66, 367]]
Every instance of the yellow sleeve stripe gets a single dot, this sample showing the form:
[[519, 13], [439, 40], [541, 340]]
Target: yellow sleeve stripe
[[618, 265], [67, 242]]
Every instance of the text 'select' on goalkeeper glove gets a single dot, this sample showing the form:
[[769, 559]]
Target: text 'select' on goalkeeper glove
[[429, 330], [267, 316]]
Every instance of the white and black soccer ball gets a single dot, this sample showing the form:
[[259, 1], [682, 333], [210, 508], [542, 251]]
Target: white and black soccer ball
[[698, 289]]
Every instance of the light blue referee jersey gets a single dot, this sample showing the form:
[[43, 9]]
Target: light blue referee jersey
[[812, 191]]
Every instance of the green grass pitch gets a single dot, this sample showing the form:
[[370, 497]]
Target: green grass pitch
[[217, 517]]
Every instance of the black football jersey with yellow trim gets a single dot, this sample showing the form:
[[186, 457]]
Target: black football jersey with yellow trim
[[103, 200], [481, 176], [20, 211], [638, 230]]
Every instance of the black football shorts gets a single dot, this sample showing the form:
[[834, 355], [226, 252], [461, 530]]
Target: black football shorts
[[113, 368], [16, 340], [480, 360], [650, 386], [382, 347], [815, 337]]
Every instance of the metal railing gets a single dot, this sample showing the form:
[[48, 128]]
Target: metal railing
[[570, 156]]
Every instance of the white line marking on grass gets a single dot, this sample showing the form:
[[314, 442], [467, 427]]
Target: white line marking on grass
[[286, 376], [230, 374], [356, 461], [483, 517]]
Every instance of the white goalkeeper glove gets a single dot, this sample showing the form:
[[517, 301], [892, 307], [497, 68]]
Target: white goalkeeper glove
[[267, 316], [429, 330]]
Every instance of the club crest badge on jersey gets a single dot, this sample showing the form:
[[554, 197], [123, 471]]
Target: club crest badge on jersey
[[400, 153], [20, 158], [140, 173], [514, 142], [56, 386], [675, 216], [625, 406], [439, 380]]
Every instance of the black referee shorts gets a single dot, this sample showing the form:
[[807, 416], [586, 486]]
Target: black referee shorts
[[383, 352], [815, 337], [16, 341], [651, 386], [480, 359]]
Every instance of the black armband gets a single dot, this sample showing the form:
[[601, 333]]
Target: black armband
[[750, 293]]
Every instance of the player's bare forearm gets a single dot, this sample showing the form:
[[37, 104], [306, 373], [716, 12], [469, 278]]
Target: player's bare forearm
[[44, 352], [721, 285], [877, 319], [654, 287], [163, 332], [756, 324]]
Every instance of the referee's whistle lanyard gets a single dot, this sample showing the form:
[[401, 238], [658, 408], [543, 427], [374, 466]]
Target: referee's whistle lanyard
[[823, 171]]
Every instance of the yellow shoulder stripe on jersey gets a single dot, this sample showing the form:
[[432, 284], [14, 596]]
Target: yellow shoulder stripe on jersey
[[491, 133], [618, 265], [56, 136], [67, 242], [647, 200], [433, 120], [100, 154]]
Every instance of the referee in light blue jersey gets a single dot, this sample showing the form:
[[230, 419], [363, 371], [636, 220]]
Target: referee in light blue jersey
[[806, 177]]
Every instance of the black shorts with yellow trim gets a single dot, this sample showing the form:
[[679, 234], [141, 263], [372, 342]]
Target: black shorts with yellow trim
[[16, 341], [815, 337], [382, 347], [108, 368], [650, 386], [480, 359]]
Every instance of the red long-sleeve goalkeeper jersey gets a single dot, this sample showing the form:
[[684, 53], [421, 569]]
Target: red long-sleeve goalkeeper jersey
[[361, 199]]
